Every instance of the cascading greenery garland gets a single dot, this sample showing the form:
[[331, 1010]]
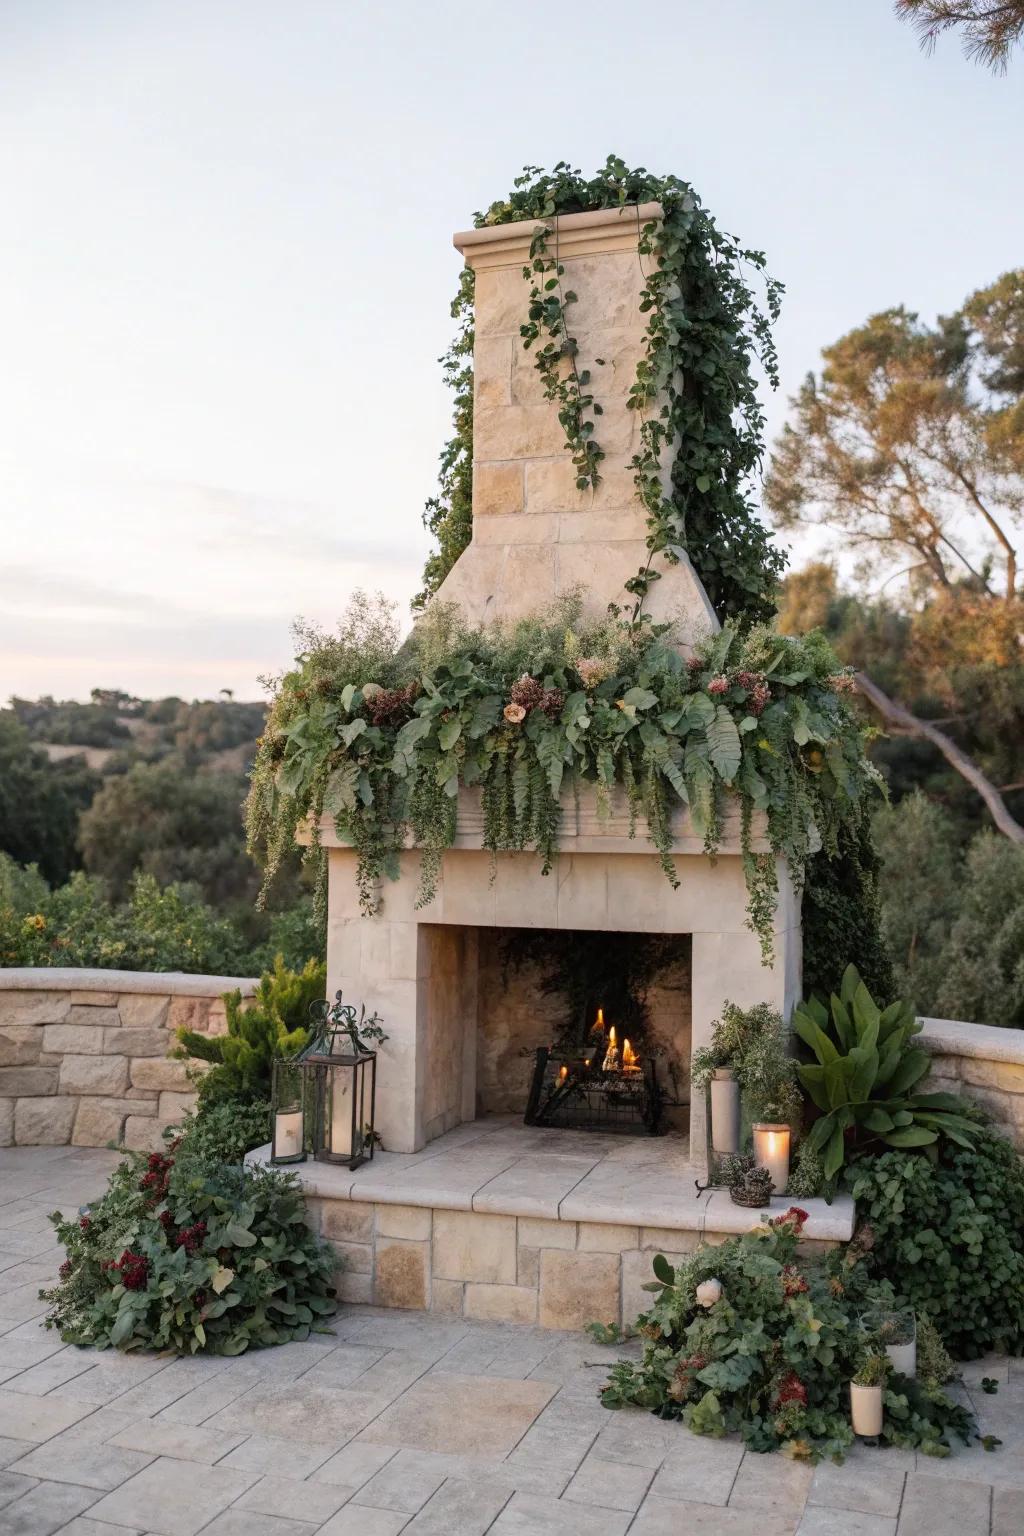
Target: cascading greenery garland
[[705, 334], [381, 739]]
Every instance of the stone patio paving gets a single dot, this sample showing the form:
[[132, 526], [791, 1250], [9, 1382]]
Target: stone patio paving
[[404, 1422]]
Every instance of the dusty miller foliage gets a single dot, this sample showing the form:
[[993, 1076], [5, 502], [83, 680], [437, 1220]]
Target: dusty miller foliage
[[694, 389]]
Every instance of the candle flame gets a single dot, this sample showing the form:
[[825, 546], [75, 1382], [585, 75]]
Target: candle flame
[[598, 1028], [630, 1060], [563, 1073]]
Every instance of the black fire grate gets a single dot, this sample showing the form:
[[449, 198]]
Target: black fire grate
[[575, 1092]]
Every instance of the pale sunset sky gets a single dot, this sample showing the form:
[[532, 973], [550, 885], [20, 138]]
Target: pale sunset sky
[[226, 267]]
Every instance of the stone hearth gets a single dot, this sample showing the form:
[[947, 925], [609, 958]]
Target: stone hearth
[[503, 1222]]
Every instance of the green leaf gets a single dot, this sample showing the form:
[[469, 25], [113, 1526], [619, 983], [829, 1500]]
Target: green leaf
[[663, 1269], [449, 734], [353, 729], [236, 1236], [639, 698], [124, 1326], [724, 744], [222, 1279], [911, 1136], [703, 483]]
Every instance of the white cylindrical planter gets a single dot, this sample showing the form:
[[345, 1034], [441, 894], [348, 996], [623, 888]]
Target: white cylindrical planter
[[725, 1111], [901, 1327], [866, 1410]]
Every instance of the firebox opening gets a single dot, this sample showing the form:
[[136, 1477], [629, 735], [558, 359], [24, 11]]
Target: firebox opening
[[496, 995]]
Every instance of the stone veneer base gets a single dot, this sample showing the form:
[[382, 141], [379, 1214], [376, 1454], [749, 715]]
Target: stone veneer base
[[476, 1225]]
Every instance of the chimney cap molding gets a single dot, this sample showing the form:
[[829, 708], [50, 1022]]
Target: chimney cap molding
[[576, 234]]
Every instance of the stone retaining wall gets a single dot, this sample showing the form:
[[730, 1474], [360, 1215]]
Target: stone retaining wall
[[985, 1063], [509, 1269], [83, 1053]]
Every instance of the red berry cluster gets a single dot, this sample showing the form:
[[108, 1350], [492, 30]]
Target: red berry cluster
[[794, 1217], [529, 694], [85, 1223], [758, 692], [718, 685], [790, 1390], [391, 705], [65, 1269], [793, 1282], [154, 1182], [133, 1269], [191, 1238]]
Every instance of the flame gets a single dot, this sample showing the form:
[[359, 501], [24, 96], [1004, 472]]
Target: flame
[[630, 1060], [611, 1056], [598, 1028], [563, 1073]]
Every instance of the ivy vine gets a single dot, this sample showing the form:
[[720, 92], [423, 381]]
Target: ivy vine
[[702, 429]]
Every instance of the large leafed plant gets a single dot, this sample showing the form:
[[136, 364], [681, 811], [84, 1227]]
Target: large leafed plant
[[382, 738]]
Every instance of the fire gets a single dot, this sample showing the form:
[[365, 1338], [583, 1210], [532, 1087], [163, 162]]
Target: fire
[[630, 1059], [611, 1057], [563, 1073], [598, 1028]]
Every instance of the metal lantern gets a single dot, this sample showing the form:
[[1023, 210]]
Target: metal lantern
[[342, 1087], [288, 1103]]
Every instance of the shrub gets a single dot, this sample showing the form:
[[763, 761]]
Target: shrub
[[863, 1072], [223, 1133], [842, 917], [188, 1256], [273, 1025], [156, 930], [748, 1337], [949, 1237], [983, 962]]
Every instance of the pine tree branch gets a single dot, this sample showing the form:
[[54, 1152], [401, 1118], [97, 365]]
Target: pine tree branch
[[901, 722]]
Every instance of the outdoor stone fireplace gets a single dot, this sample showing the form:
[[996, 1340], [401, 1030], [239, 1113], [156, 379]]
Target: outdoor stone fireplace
[[431, 972]]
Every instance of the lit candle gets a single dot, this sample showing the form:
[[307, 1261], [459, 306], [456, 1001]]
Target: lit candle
[[598, 1028], [563, 1073], [288, 1133], [771, 1151], [611, 1057]]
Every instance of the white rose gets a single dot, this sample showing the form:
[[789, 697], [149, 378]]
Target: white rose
[[708, 1292]]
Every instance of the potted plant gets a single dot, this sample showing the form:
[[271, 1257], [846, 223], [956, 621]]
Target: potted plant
[[895, 1333], [748, 1055], [747, 1183], [866, 1389]]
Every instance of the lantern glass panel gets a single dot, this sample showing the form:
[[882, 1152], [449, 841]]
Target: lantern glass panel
[[288, 1143]]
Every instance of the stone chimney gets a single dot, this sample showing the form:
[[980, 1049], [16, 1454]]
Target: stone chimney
[[535, 536]]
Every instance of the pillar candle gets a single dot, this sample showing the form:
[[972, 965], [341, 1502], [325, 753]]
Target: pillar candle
[[771, 1151], [288, 1132], [341, 1114]]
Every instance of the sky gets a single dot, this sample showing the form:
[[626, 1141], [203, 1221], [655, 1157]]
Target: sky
[[226, 269]]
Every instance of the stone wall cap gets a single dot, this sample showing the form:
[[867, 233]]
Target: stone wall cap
[[169, 983], [579, 234], [987, 1042]]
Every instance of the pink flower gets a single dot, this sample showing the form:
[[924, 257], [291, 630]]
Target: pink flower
[[842, 682], [514, 713], [718, 685]]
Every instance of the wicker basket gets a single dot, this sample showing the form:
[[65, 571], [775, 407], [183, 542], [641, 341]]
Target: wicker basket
[[755, 1202]]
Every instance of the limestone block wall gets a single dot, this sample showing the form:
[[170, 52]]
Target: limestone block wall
[[83, 1053], [982, 1062], [514, 1269]]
